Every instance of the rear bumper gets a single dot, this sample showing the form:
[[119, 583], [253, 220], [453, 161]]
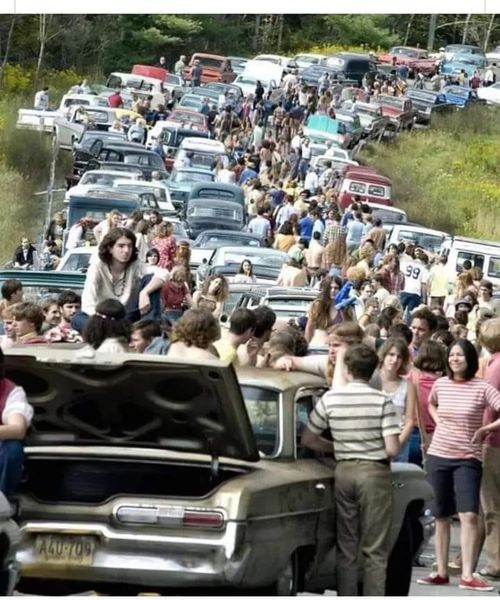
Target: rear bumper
[[162, 560]]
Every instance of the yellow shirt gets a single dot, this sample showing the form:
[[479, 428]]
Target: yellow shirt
[[227, 352]]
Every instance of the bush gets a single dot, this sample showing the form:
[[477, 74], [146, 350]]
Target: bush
[[447, 177]]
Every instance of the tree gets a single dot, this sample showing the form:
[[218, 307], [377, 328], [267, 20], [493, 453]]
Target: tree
[[7, 46]]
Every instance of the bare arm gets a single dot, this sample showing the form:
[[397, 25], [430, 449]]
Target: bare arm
[[410, 413], [392, 446], [315, 442], [14, 428]]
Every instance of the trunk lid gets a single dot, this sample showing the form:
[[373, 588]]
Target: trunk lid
[[88, 398]]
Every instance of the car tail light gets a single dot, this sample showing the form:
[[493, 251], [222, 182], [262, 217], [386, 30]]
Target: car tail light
[[170, 516]]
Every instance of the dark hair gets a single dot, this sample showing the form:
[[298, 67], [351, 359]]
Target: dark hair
[[425, 315], [265, 318], [401, 330], [361, 361], [2, 364], [109, 321], [153, 252], [286, 228], [443, 335], [110, 239], [441, 323], [241, 320], [467, 265], [471, 358], [386, 317], [68, 297], [242, 263], [149, 328], [10, 287], [431, 357]]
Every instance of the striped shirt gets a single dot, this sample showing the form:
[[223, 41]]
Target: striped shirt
[[460, 409], [359, 419]]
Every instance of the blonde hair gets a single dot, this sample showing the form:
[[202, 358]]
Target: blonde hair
[[489, 335]]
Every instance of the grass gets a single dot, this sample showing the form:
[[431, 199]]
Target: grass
[[448, 176]]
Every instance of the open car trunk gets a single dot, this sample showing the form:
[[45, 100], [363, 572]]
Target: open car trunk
[[94, 481]]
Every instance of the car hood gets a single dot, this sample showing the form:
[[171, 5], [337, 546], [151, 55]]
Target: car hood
[[84, 397]]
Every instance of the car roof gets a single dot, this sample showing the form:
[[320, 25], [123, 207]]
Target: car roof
[[222, 232], [277, 380], [420, 228], [392, 209]]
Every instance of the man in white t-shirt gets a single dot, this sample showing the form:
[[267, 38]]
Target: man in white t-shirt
[[414, 292], [259, 225], [42, 99]]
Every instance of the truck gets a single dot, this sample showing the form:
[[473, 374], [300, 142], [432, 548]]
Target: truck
[[43, 120]]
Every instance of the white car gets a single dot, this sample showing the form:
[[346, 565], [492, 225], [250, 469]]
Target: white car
[[491, 93], [160, 191], [77, 259], [494, 56], [98, 178], [306, 60]]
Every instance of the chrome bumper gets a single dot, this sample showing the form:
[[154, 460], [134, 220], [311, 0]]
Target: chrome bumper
[[166, 560]]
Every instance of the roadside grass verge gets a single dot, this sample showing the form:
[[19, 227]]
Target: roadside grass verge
[[448, 176]]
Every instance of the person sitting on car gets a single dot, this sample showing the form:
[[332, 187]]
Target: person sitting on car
[[16, 414]]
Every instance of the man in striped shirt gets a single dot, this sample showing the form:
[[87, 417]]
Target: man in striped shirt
[[365, 436]]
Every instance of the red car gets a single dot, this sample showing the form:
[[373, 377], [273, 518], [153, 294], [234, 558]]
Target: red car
[[188, 119], [414, 58], [398, 109], [214, 68]]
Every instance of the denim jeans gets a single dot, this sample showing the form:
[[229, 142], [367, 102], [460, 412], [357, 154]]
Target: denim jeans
[[11, 465], [409, 302]]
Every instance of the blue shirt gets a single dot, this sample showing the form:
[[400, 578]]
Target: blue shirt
[[306, 227], [277, 197], [354, 232], [247, 173]]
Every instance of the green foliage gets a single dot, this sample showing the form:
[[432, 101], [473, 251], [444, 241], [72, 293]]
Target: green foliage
[[448, 177], [356, 30]]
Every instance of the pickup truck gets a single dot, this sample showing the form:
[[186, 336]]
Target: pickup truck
[[399, 110], [415, 58], [214, 68], [70, 129], [371, 118], [324, 128], [43, 120]]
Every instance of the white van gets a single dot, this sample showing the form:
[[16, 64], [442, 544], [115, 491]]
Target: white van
[[482, 254], [430, 240], [204, 152]]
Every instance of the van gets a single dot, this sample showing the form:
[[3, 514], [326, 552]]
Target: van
[[482, 254], [203, 151], [366, 183], [351, 65], [428, 239]]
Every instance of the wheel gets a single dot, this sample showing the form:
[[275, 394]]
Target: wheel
[[287, 582], [399, 567]]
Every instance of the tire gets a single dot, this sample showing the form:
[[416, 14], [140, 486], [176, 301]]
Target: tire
[[399, 566], [287, 583]]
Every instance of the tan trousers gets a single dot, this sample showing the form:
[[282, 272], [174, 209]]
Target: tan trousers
[[363, 499], [490, 502]]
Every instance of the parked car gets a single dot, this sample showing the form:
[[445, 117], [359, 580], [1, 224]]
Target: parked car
[[214, 68], [238, 63], [159, 191], [247, 83], [98, 178], [426, 238], [461, 96], [455, 49], [490, 94], [311, 75], [181, 182], [482, 254], [352, 124], [287, 303], [388, 213], [416, 59], [370, 116], [322, 127], [468, 63], [426, 104], [171, 137], [219, 191], [306, 60], [182, 117], [266, 257], [200, 153], [174, 84], [70, 129], [275, 59], [366, 183], [40, 285], [203, 246], [399, 110], [125, 492], [351, 65], [191, 102], [209, 213]]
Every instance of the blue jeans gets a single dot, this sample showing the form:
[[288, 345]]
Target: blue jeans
[[415, 453], [409, 302], [11, 465]]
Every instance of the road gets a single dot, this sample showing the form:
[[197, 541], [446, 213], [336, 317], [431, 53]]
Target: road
[[448, 590]]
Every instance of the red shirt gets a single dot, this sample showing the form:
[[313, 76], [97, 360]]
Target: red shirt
[[173, 296], [115, 101]]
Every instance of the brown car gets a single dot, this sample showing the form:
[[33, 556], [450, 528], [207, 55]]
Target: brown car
[[214, 68]]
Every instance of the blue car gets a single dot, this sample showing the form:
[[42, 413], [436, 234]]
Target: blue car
[[469, 63], [183, 180], [460, 96]]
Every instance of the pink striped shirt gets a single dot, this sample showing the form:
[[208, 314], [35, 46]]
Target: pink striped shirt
[[492, 376], [460, 408]]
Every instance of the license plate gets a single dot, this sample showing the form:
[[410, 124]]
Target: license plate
[[65, 549]]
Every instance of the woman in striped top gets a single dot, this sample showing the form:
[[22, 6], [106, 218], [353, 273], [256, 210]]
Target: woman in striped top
[[457, 404]]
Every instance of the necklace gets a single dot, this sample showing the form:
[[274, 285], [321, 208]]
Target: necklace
[[118, 284]]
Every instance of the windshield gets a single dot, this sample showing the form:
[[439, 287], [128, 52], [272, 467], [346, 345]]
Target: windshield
[[429, 242], [99, 179], [458, 91], [196, 118], [77, 262], [310, 60], [262, 408], [214, 241], [210, 63], [266, 260]]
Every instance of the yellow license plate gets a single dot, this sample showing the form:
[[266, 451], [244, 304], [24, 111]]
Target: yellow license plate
[[65, 549]]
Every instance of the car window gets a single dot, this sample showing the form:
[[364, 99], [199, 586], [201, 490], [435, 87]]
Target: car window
[[359, 188], [77, 262], [494, 266], [109, 155], [262, 407], [429, 242], [38, 294], [477, 260], [376, 190], [304, 404]]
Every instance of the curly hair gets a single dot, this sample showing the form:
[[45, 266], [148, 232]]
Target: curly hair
[[28, 311], [197, 327], [320, 308], [223, 291], [109, 321], [110, 239]]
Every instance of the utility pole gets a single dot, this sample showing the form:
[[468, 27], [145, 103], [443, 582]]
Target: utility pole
[[432, 32]]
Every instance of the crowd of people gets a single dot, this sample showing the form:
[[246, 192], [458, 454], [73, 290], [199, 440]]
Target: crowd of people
[[413, 367]]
